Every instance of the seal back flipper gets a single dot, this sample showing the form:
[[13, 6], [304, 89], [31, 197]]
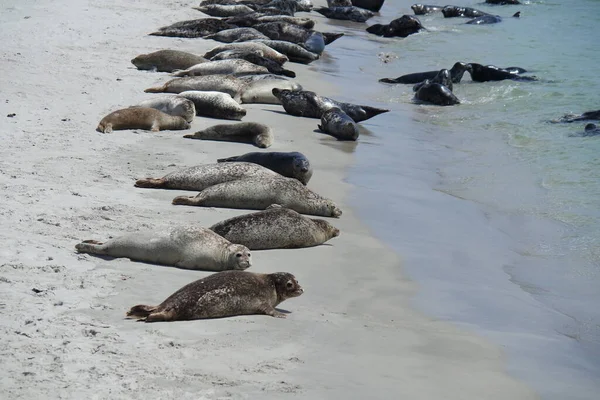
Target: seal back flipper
[[228, 159], [150, 183], [372, 111], [186, 200], [156, 89], [90, 246], [388, 80], [140, 311]]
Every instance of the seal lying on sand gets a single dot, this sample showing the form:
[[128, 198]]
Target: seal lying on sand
[[338, 124], [255, 58], [249, 20], [422, 9], [485, 73], [245, 132], [401, 27], [346, 13], [172, 105], [291, 165], [502, 2], [456, 72], [224, 294], [223, 67], [211, 83], [167, 60], [260, 193], [215, 105], [267, 51], [261, 91], [236, 35], [145, 118], [193, 28], [304, 103], [586, 116], [293, 52], [275, 228], [184, 247], [224, 10], [202, 176]]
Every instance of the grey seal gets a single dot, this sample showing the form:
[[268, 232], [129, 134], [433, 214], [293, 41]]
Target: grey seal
[[188, 247], [215, 105], [275, 228], [224, 294], [245, 132], [339, 3], [267, 51], [211, 83], [259, 194], [255, 58], [261, 91], [289, 164], [401, 27], [202, 176], [249, 20], [141, 118], [454, 11], [502, 2], [293, 52], [193, 28], [588, 131], [236, 35], [346, 13], [172, 105], [456, 72], [338, 124], [443, 77], [223, 67], [422, 9], [486, 73], [167, 60], [224, 10]]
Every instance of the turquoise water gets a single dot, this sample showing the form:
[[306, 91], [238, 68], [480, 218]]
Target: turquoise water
[[495, 211]]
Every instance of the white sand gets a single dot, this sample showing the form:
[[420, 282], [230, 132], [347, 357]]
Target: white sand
[[351, 335]]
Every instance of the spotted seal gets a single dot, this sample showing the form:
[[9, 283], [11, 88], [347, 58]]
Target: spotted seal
[[249, 20], [245, 132], [188, 247], [141, 118], [166, 60], [224, 10], [255, 58], [172, 105], [236, 35], [338, 124], [193, 28], [289, 164], [215, 105], [295, 53], [258, 194], [261, 91], [223, 67], [267, 51], [224, 294], [210, 83]]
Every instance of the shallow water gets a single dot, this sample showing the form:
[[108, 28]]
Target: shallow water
[[495, 211]]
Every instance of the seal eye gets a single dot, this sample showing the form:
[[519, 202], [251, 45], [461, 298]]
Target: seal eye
[[289, 285], [248, 254], [238, 255]]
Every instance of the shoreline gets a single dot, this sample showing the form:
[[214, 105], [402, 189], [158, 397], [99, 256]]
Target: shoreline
[[77, 184]]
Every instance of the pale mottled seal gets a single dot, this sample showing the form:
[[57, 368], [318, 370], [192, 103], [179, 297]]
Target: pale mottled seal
[[236, 35], [422, 9], [224, 10], [202, 176], [224, 294], [258, 194], [485, 73], [245, 132], [339, 3], [373, 5], [141, 118], [275, 228], [249, 20], [187, 247], [172, 105], [456, 72], [211, 83], [215, 105], [255, 58], [338, 124], [279, 30], [304, 103], [251, 45], [586, 116], [436, 93], [193, 28], [289, 164], [443, 78], [346, 13], [401, 27], [167, 60], [294, 52], [261, 91], [223, 67]]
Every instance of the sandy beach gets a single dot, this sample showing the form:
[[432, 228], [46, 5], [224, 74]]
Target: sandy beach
[[351, 335]]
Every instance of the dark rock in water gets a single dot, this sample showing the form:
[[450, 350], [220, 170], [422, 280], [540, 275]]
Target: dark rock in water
[[586, 116], [373, 5], [436, 93], [454, 11], [402, 27], [346, 13], [457, 72], [194, 28], [502, 2]]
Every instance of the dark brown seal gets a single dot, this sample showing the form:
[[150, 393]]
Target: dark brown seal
[[224, 294]]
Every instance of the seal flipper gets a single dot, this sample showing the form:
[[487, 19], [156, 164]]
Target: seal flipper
[[228, 159], [372, 111], [90, 246], [150, 183], [156, 89], [517, 14], [140, 311], [186, 200]]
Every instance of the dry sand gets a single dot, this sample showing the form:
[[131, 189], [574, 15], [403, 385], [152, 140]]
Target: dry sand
[[351, 335]]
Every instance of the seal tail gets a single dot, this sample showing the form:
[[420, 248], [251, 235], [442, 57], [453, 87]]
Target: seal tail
[[150, 183], [156, 89], [141, 311], [90, 246]]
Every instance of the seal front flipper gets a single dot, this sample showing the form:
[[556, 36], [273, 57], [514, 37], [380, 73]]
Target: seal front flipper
[[140, 311], [150, 183]]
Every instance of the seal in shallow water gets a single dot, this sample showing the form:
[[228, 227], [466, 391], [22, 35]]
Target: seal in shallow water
[[289, 164], [456, 72], [586, 116], [167, 60], [193, 28], [275, 228], [485, 73], [202, 176], [436, 93], [401, 27], [338, 124], [245, 132], [146, 118], [224, 294], [172, 105], [188, 247], [259, 194], [442, 77], [422, 9]]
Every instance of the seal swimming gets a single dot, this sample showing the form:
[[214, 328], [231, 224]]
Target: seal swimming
[[289, 164], [422, 9], [245, 132], [456, 72], [588, 131], [481, 73], [401, 27], [338, 124], [193, 28], [586, 116], [202, 176], [259, 194], [172, 105], [436, 93], [275, 228], [215, 105], [224, 294], [166, 60], [186, 247], [454, 11], [146, 118]]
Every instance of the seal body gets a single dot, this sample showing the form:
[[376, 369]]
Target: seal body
[[223, 67], [246, 132], [249, 20], [401, 27], [422, 9], [224, 10], [586, 116], [202, 176], [338, 124], [211, 83], [484, 20], [145, 118], [373, 5], [289, 164], [456, 72], [224, 294], [193, 28], [167, 60], [442, 77], [215, 105], [186, 247], [346, 13], [293, 52], [339, 3], [236, 35], [275, 228], [485, 73], [267, 51], [261, 91], [454, 11], [172, 105], [259, 194], [436, 93], [255, 58]]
